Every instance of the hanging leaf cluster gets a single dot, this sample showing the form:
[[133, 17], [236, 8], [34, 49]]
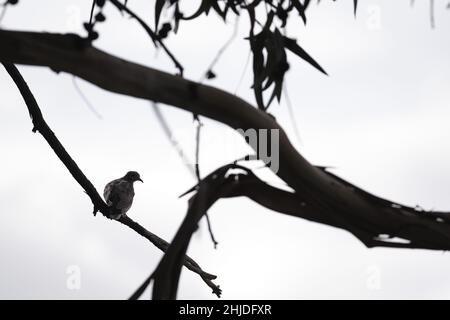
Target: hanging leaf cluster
[[99, 17], [270, 61], [268, 44]]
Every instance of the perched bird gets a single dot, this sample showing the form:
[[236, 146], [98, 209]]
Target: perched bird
[[119, 194]]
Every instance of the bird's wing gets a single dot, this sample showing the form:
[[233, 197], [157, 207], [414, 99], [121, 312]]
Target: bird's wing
[[119, 194], [107, 192]]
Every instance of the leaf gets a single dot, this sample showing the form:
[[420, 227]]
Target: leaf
[[300, 8], [159, 5], [216, 7], [177, 16], [210, 74], [292, 45], [204, 8], [87, 26], [100, 3], [100, 17], [258, 68]]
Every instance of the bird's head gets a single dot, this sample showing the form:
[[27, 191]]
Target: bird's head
[[132, 176]]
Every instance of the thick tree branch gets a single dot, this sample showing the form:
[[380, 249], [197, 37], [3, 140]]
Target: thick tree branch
[[290, 203], [99, 205], [222, 184], [339, 202]]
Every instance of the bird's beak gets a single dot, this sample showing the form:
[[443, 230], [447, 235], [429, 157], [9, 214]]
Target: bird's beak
[[141, 180]]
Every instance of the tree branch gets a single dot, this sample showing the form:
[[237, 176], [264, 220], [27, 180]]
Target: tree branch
[[222, 184], [338, 202], [164, 245], [99, 205]]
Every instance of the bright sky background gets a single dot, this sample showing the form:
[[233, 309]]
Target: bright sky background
[[380, 118]]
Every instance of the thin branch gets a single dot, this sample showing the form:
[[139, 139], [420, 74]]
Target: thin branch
[[197, 148], [197, 174], [432, 20], [173, 141], [211, 232], [194, 170], [291, 113], [139, 291], [241, 78], [99, 205], [222, 49], [91, 16], [150, 32], [85, 99], [164, 245], [3, 12], [40, 125]]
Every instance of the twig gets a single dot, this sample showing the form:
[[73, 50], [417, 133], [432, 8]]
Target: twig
[[92, 12], [40, 125], [139, 291], [222, 49], [291, 114], [197, 148], [197, 173], [241, 78], [150, 32], [3, 12], [168, 132], [85, 99], [211, 233], [163, 245], [194, 170], [432, 20]]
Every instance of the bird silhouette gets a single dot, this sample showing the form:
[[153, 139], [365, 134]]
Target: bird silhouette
[[119, 194]]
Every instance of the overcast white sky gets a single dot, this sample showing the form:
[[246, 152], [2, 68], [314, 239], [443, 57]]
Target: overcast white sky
[[380, 118]]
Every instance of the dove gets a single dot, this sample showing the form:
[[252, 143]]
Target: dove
[[119, 194]]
